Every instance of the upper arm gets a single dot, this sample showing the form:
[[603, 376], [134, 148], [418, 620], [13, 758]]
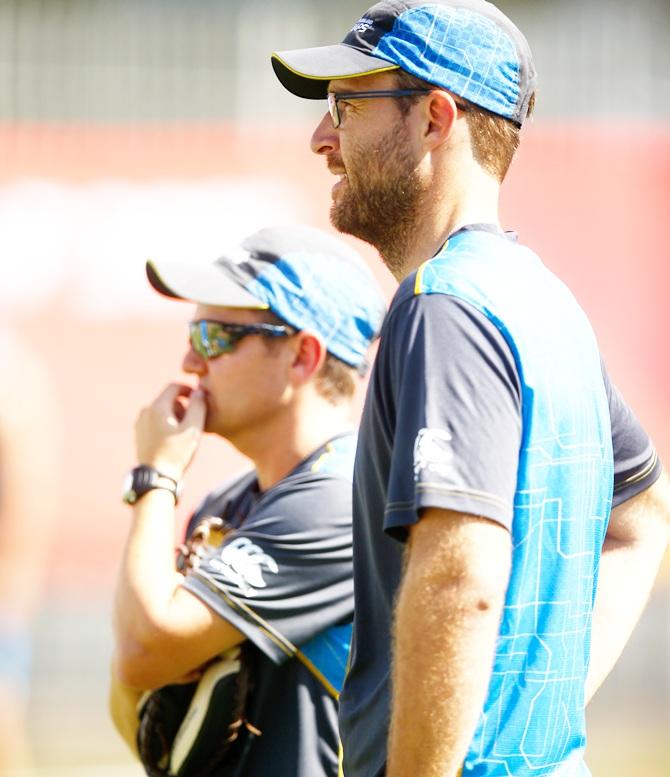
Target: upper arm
[[450, 386], [457, 560], [641, 498], [460, 551], [643, 517], [287, 571], [189, 635], [636, 465]]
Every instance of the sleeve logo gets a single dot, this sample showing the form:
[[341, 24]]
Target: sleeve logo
[[433, 453], [243, 563]]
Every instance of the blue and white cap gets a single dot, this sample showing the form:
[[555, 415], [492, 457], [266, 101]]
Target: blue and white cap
[[309, 278], [468, 47]]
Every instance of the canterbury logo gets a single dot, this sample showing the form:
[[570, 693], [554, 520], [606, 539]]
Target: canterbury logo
[[243, 563], [363, 24], [433, 452]]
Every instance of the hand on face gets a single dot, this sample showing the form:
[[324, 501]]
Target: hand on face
[[167, 432]]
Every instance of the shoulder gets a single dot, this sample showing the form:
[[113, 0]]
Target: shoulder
[[429, 327], [334, 460], [217, 501], [315, 499], [318, 493]]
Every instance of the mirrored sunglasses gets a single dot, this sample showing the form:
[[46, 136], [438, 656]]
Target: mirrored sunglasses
[[210, 338]]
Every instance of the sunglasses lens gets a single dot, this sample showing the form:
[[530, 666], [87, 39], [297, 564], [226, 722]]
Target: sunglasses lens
[[210, 339]]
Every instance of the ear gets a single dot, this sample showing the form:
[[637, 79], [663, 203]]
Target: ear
[[439, 117], [309, 355]]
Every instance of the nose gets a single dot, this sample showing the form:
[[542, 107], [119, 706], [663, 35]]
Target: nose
[[193, 363], [325, 138]]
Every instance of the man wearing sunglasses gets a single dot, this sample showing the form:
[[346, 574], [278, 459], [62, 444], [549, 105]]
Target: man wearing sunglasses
[[491, 439], [277, 342]]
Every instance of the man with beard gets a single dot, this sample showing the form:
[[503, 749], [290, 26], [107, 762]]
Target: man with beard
[[493, 591], [282, 327]]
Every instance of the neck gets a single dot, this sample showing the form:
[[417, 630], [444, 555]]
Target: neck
[[282, 444], [445, 210]]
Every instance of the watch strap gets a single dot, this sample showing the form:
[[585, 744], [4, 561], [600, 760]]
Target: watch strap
[[145, 478]]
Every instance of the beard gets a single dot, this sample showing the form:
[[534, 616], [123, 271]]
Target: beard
[[380, 202]]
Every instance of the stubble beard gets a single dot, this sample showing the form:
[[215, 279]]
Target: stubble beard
[[381, 203]]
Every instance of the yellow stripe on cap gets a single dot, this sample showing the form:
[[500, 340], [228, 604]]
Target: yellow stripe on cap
[[334, 77], [260, 306]]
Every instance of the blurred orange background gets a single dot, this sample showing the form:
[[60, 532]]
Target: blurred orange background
[[589, 199], [83, 205], [132, 129]]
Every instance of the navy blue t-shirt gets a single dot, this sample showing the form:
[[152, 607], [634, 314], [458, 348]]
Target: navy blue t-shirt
[[282, 577]]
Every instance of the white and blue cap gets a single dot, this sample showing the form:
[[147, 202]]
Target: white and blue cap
[[310, 279], [468, 47]]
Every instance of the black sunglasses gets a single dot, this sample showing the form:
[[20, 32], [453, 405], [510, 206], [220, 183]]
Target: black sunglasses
[[211, 338]]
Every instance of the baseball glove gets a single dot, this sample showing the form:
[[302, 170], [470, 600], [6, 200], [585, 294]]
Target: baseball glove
[[200, 728]]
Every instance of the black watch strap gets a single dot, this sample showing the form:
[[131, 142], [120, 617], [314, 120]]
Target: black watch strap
[[142, 479]]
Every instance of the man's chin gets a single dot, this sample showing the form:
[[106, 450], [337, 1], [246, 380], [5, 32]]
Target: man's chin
[[341, 219], [216, 427]]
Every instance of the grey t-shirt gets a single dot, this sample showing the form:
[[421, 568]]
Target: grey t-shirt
[[285, 572], [430, 342]]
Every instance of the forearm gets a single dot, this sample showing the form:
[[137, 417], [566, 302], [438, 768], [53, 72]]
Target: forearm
[[442, 667], [447, 620], [631, 556], [163, 633], [627, 574], [148, 578], [123, 710]]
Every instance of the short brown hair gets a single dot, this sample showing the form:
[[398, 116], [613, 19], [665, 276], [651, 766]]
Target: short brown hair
[[494, 138], [335, 380]]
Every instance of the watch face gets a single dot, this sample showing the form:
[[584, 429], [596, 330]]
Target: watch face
[[142, 479], [130, 497], [129, 494]]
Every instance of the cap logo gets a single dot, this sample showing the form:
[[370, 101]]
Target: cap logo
[[364, 24]]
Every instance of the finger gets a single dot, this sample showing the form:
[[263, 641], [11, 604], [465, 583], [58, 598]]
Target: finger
[[196, 410], [180, 405], [168, 399]]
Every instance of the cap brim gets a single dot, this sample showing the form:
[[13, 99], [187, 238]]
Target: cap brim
[[203, 284], [306, 72]]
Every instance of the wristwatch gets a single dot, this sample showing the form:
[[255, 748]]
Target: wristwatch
[[140, 480]]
